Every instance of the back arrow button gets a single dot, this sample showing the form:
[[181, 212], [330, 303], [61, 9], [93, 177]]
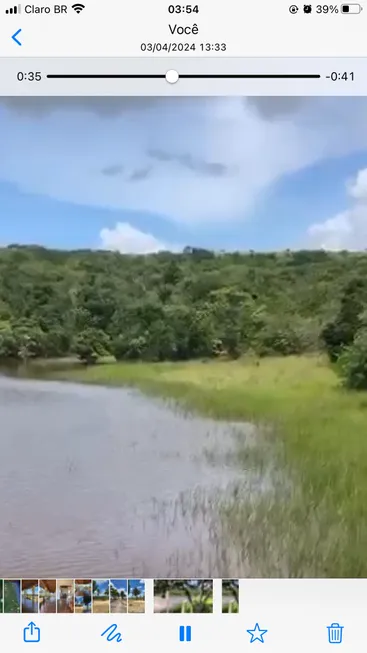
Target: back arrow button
[[14, 37]]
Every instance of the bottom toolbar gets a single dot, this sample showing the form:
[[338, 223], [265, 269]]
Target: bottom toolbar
[[197, 633], [283, 615]]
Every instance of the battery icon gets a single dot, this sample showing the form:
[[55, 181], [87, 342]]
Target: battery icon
[[351, 9]]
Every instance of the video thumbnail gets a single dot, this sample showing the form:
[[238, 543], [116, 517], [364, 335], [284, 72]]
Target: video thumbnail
[[83, 596], [11, 596], [230, 596], [183, 338], [65, 596], [101, 596], [30, 596], [47, 596], [136, 596], [118, 594], [184, 596]]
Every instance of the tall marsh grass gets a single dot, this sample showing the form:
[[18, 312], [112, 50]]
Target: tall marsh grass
[[315, 431]]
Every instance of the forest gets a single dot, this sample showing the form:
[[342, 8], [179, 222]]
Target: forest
[[177, 307]]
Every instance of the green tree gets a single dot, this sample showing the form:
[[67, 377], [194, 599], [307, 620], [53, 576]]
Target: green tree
[[125, 348], [9, 347], [177, 307], [90, 345], [136, 592], [353, 362], [114, 593], [340, 332]]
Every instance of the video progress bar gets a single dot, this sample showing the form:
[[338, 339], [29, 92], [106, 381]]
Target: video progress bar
[[187, 76]]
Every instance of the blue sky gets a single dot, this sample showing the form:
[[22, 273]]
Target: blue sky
[[136, 583], [143, 174], [119, 585], [102, 585]]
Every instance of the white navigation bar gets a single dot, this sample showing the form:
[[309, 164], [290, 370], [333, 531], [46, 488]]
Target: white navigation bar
[[207, 28]]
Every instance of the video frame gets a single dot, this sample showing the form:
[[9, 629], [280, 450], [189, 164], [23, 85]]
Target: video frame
[[194, 271]]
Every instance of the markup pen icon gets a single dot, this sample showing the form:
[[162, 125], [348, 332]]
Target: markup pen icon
[[111, 634], [335, 633]]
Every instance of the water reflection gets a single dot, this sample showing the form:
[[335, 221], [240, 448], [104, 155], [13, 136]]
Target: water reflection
[[103, 482]]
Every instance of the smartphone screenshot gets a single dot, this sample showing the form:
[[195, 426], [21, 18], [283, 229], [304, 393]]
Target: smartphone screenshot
[[183, 326]]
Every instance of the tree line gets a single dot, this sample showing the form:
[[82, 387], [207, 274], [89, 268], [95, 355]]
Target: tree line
[[196, 304]]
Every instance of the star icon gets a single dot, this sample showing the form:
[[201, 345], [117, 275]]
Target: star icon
[[257, 634]]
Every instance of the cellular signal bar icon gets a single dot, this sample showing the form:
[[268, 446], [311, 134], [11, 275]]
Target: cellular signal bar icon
[[13, 10]]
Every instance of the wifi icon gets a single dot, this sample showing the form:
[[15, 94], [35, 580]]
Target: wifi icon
[[78, 7]]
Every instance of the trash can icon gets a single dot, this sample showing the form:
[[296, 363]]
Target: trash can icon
[[335, 633]]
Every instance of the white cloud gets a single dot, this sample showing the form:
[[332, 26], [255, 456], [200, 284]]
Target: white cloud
[[126, 239], [358, 188], [61, 154], [347, 230]]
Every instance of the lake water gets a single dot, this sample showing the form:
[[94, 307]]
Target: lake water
[[98, 482]]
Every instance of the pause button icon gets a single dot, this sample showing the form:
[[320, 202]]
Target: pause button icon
[[185, 633]]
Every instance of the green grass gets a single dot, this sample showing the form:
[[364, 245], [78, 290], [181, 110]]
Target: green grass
[[197, 606], [11, 603], [233, 608], [314, 525]]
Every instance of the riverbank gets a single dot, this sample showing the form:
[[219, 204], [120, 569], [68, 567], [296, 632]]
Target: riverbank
[[317, 528]]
